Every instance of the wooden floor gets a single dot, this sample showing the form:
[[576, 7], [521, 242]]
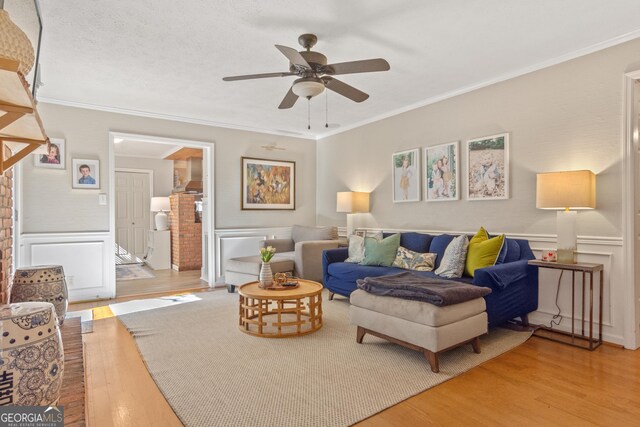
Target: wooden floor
[[538, 383], [165, 280]]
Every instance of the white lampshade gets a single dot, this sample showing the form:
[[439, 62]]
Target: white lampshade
[[566, 190], [352, 202], [308, 87], [160, 204]]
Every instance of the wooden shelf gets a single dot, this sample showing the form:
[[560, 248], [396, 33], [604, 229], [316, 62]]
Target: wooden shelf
[[21, 129]]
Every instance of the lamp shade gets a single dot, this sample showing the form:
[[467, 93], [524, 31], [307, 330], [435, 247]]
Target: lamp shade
[[14, 44], [566, 190], [160, 204], [352, 202]]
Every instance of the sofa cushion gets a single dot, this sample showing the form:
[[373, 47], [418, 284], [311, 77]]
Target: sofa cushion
[[411, 260], [347, 272], [416, 242], [356, 249], [380, 252], [439, 245], [483, 251], [303, 233], [453, 260], [417, 311], [513, 251], [280, 263]]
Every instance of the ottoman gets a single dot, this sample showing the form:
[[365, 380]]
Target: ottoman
[[419, 325], [239, 271]]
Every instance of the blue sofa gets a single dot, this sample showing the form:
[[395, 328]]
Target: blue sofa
[[514, 283]]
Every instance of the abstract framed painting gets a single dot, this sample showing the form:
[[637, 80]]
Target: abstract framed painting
[[406, 176], [442, 175], [488, 167], [268, 184]]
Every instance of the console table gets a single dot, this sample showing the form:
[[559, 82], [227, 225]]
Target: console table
[[581, 340]]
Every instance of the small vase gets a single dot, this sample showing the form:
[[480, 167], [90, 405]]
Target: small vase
[[266, 276]]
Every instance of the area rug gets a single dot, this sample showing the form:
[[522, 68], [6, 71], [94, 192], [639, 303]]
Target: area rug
[[132, 272], [72, 392], [213, 374]]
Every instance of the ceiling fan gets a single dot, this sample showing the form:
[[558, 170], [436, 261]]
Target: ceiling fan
[[315, 74]]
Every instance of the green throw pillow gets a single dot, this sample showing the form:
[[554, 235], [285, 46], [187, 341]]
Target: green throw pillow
[[381, 252], [483, 251]]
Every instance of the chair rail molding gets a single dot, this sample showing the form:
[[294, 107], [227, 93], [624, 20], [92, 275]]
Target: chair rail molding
[[85, 257]]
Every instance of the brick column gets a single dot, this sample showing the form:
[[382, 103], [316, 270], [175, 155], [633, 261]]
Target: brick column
[[186, 234], [6, 234]]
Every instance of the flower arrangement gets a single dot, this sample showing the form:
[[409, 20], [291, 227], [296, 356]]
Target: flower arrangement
[[267, 253]]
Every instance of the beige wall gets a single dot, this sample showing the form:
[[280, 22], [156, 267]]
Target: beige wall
[[564, 117], [50, 205], [162, 172]]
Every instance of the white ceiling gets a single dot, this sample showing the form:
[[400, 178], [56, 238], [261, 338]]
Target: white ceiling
[[167, 58]]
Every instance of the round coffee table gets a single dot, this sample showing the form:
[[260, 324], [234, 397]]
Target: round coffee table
[[280, 313]]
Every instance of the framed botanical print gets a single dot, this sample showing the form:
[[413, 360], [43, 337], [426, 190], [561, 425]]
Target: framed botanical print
[[55, 156], [86, 173], [442, 175], [488, 167], [268, 184], [405, 176]]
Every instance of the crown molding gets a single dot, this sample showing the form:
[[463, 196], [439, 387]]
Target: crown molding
[[526, 70], [170, 117]]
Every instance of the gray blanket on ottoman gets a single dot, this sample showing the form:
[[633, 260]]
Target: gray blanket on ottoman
[[419, 288]]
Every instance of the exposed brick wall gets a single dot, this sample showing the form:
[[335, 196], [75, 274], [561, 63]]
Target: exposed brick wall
[[186, 233], [6, 236]]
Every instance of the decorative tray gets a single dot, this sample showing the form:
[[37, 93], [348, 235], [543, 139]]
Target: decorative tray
[[279, 287]]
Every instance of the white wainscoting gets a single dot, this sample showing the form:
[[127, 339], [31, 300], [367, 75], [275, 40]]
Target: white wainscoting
[[87, 259], [603, 250], [233, 243]]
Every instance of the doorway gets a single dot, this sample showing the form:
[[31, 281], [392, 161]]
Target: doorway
[[145, 258]]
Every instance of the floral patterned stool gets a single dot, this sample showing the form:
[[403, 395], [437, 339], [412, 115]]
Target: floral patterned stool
[[41, 283], [31, 355]]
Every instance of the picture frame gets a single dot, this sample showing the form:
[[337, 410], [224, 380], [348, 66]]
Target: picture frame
[[85, 174], [442, 172], [488, 167], [268, 184], [405, 176], [55, 159]]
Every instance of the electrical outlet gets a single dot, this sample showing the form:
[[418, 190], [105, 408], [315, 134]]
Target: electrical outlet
[[102, 199], [69, 280]]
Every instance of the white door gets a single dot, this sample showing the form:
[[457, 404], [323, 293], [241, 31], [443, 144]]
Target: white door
[[132, 216]]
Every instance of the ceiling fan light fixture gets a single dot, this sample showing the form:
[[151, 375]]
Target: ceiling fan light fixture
[[308, 87]]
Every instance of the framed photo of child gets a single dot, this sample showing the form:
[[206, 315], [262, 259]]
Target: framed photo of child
[[442, 177], [488, 167], [54, 157], [86, 173], [405, 176]]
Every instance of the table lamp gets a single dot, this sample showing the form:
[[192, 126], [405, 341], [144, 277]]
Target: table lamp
[[352, 202], [568, 191], [160, 205]]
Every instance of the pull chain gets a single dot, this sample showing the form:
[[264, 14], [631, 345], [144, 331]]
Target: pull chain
[[326, 108], [309, 112]]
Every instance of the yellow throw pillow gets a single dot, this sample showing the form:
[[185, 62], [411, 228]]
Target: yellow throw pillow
[[483, 251]]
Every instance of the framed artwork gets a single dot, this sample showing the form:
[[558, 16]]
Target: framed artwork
[[55, 157], [406, 176], [268, 184], [86, 173], [442, 177], [488, 167]]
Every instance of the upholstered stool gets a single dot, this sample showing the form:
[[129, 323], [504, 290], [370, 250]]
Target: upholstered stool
[[41, 283], [239, 271], [31, 354], [419, 325]]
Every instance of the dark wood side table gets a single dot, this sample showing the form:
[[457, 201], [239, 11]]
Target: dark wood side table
[[573, 338]]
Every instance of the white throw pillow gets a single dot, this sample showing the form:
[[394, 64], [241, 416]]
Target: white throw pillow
[[454, 258], [356, 246]]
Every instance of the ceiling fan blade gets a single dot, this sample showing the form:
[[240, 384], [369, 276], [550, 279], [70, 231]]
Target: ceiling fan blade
[[364, 66], [344, 89], [294, 56], [289, 100], [256, 76]]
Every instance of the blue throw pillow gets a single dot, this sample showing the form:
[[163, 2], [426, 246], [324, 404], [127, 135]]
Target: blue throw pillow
[[416, 242], [503, 252]]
